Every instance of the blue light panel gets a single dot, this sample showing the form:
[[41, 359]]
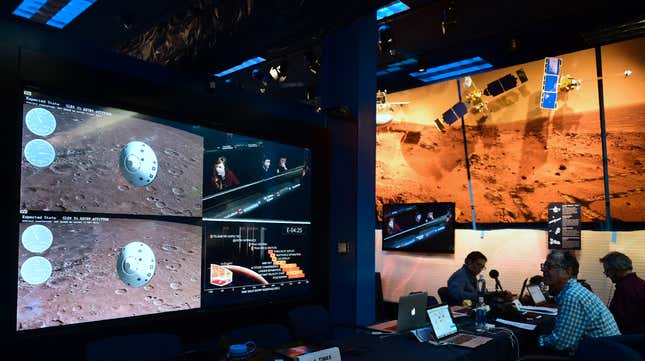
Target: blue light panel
[[452, 70], [69, 12], [244, 65], [28, 8], [389, 10]]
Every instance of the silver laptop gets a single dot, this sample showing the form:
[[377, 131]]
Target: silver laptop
[[411, 313], [445, 331]]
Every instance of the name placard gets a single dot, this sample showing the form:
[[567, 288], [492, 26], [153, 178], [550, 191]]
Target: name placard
[[328, 354]]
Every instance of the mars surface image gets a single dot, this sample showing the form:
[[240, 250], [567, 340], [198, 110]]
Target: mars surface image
[[521, 157], [85, 175], [84, 285]]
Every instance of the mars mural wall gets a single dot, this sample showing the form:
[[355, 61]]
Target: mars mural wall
[[625, 119], [521, 156]]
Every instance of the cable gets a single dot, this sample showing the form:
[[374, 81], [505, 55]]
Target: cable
[[514, 341]]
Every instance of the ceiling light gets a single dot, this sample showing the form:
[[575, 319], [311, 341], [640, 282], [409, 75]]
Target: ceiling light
[[279, 72], [389, 10], [246, 64], [61, 15], [385, 40]]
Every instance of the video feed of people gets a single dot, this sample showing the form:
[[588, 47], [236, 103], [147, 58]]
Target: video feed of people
[[87, 158], [246, 261], [419, 227], [81, 268], [254, 179]]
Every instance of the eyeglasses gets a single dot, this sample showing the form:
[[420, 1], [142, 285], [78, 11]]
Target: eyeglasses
[[545, 267]]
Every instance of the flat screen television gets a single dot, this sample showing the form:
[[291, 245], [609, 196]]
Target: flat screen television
[[124, 214], [419, 227]]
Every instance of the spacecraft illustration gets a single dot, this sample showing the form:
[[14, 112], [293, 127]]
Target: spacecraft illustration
[[138, 163], [136, 264]]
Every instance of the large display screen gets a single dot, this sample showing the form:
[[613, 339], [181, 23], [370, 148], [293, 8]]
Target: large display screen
[[419, 227], [124, 214]]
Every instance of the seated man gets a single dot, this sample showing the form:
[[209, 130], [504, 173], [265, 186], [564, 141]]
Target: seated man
[[580, 312], [629, 297], [462, 285]]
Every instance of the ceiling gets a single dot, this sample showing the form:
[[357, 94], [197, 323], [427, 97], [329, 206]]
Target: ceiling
[[207, 36]]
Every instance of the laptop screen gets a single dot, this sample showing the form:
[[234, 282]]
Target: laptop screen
[[536, 294], [441, 321]]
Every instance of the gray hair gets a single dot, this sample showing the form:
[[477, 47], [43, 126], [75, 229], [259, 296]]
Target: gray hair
[[566, 260], [617, 261]]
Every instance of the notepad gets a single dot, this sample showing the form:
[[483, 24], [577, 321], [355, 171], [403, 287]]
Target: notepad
[[525, 326]]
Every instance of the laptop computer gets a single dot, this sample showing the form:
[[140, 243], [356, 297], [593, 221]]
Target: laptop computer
[[536, 295], [445, 331], [411, 314]]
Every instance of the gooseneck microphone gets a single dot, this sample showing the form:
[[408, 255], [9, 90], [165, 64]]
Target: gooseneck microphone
[[494, 275]]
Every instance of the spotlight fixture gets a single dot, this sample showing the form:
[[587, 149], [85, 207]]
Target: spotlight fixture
[[628, 73], [279, 72], [449, 20], [386, 40], [262, 80], [312, 63]]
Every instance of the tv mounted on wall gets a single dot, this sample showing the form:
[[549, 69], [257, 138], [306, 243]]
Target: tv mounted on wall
[[419, 227]]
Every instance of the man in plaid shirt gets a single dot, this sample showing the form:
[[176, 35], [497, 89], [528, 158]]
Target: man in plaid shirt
[[580, 312]]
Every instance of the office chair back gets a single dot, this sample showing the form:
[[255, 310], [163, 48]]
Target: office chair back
[[601, 349], [139, 347], [265, 335], [635, 341], [311, 324], [444, 295]]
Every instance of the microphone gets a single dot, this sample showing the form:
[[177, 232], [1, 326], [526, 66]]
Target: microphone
[[494, 274]]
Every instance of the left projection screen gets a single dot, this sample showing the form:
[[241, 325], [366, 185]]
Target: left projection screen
[[110, 214]]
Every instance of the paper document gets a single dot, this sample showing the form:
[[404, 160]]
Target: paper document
[[525, 326], [542, 310]]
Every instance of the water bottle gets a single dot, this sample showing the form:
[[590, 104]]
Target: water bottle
[[482, 309]]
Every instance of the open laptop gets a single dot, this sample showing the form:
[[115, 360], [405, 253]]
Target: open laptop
[[411, 314], [444, 329], [536, 295]]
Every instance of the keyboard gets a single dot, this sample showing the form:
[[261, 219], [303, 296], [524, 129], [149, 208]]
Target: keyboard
[[460, 338]]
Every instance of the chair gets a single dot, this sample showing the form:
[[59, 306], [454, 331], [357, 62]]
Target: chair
[[444, 295], [635, 341], [139, 347], [602, 348], [598, 349], [432, 300], [265, 335], [311, 324]]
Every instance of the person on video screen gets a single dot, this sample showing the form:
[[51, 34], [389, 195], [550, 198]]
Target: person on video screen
[[265, 171], [282, 165], [392, 227], [223, 177]]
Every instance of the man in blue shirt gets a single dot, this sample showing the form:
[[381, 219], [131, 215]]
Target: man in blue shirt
[[580, 312], [462, 285]]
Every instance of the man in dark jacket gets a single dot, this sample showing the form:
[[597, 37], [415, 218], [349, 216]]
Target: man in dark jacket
[[462, 285], [629, 297]]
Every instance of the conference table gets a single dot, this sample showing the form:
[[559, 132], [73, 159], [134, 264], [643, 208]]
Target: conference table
[[364, 347]]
